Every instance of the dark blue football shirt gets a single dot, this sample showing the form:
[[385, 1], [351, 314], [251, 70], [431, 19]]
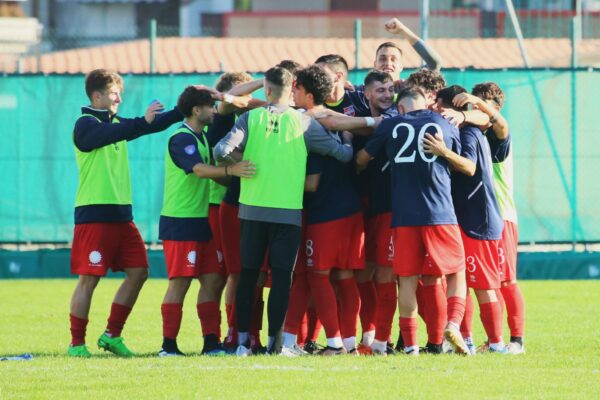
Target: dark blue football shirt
[[474, 196], [420, 182]]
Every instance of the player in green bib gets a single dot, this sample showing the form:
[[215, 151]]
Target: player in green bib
[[277, 139], [105, 236], [189, 248]]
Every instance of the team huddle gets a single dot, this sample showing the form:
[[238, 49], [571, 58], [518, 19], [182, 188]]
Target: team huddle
[[349, 202]]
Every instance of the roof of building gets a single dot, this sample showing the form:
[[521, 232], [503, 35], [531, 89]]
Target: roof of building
[[187, 55]]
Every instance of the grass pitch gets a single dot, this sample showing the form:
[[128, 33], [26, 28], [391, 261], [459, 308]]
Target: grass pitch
[[562, 360]]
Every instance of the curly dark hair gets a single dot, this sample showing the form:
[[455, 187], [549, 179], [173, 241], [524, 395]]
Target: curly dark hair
[[448, 93], [428, 80], [489, 91], [192, 97], [315, 81]]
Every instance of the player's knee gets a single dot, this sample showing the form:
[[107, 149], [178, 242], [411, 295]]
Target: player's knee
[[429, 280], [88, 282], [384, 275], [137, 275]]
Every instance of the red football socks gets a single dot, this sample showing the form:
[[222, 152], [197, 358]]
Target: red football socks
[[467, 321], [78, 327], [515, 309], [231, 338], [491, 318], [387, 300], [299, 295], [314, 324], [325, 303], [116, 320], [421, 303], [456, 310], [437, 314], [349, 305], [210, 318], [171, 319], [408, 328], [368, 304]]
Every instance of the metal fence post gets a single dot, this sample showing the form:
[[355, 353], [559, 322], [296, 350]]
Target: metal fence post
[[357, 37], [424, 20], [152, 44]]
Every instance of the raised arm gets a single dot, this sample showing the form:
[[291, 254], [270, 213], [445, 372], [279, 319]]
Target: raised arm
[[431, 58]]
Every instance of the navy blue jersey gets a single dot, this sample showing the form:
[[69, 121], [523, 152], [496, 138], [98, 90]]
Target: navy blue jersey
[[93, 133], [336, 196], [183, 149], [420, 182], [379, 177], [474, 197], [499, 148], [353, 104]]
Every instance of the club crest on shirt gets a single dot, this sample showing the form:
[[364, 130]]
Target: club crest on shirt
[[349, 111], [190, 149]]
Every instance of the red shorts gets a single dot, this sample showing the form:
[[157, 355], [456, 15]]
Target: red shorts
[[379, 246], [428, 250], [215, 228], [339, 243], [102, 245], [190, 259], [507, 252], [230, 237], [481, 258]]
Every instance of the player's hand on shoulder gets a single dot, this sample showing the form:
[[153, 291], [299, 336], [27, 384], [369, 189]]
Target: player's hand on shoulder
[[154, 108], [395, 26], [434, 144], [242, 169], [456, 118], [462, 99]]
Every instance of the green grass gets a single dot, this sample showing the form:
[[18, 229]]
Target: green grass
[[562, 360]]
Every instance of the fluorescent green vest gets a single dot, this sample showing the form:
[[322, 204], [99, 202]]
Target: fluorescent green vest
[[276, 145], [104, 176], [217, 192], [504, 184], [186, 195]]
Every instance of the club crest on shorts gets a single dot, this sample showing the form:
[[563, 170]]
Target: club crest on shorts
[[95, 257], [191, 257]]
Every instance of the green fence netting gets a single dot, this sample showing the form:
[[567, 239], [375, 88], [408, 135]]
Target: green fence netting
[[551, 114]]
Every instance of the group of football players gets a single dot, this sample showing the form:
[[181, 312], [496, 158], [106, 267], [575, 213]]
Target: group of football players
[[407, 205]]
